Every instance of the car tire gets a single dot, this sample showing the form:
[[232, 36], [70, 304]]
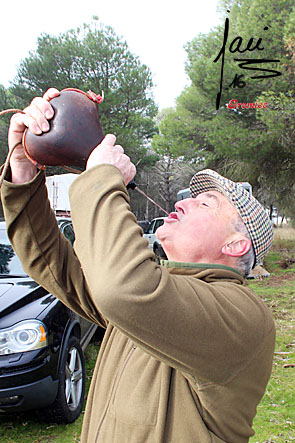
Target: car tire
[[69, 401]]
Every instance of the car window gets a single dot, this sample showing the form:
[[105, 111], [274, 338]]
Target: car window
[[158, 224], [69, 233], [9, 261], [151, 228]]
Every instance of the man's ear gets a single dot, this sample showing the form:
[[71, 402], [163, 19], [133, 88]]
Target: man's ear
[[237, 247]]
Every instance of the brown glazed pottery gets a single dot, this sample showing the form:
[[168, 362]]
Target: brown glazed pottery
[[74, 132]]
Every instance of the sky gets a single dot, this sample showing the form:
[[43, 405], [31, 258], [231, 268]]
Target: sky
[[155, 30]]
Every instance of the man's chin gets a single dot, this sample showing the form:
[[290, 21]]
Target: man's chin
[[164, 240], [161, 233]]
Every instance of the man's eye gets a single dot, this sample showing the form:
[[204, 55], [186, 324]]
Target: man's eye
[[205, 204]]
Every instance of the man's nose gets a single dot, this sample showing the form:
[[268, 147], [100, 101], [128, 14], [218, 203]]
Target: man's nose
[[183, 205]]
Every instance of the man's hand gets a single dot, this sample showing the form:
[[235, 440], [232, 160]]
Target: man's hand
[[110, 153], [36, 119]]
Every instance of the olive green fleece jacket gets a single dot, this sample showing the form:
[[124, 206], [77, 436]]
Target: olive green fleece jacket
[[188, 348]]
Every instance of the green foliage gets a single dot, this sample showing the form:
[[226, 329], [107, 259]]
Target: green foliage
[[254, 145], [7, 101], [174, 142], [247, 19], [93, 57], [175, 145]]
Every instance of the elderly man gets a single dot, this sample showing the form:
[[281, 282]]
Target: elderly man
[[188, 348]]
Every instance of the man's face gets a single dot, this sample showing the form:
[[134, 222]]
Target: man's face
[[199, 229]]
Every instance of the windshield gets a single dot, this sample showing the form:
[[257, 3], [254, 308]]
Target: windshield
[[9, 262]]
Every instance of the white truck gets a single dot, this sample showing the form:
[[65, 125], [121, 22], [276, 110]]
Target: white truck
[[150, 232], [58, 193], [154, 242]]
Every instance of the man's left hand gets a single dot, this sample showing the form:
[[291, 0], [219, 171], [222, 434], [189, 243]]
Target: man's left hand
[[110, 153]]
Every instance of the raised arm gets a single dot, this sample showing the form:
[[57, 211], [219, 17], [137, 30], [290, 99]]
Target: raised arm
[[31, 224]]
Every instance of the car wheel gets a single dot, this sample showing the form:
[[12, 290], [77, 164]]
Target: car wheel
[[69, 401]]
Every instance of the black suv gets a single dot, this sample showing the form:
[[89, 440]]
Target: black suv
[[41, 343]]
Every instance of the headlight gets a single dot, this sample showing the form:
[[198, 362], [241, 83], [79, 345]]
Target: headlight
[[22, 337]]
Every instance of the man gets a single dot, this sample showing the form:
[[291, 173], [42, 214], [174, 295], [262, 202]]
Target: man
[[188, 349]]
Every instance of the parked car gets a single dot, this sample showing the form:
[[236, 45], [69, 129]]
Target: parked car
[[41, 343], [151, 235]]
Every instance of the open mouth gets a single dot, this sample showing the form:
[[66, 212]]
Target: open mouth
[[173, 216]]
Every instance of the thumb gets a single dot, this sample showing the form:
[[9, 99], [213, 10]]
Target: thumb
[[109, 140]]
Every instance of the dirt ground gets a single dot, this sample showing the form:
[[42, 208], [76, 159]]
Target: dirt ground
[[278, 280]]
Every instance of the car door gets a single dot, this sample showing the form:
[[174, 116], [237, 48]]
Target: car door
[[87, 328], [151, 234]]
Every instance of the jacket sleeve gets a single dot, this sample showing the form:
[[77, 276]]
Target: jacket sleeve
[[46, 255], [210, 330]]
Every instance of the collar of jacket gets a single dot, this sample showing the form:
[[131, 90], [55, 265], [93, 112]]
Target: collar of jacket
[[204, 271]]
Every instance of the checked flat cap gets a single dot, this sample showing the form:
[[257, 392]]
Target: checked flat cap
[[252, 213]]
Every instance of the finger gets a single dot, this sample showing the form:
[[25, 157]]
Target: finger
[[51, 93], [126, 159], [43, 106], [119, 148], [132, 171], [130, 174], [40, 110], [110, 139], [20, 121]]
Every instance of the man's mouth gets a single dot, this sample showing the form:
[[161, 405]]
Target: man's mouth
[[173, 216]]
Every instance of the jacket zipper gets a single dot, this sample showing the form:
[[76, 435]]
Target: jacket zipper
[[113, 389]]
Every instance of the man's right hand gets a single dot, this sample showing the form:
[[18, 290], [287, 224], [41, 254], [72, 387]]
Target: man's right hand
[[36, 119]]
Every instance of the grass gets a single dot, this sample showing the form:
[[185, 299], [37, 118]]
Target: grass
[[275, 419], [284, 232]]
